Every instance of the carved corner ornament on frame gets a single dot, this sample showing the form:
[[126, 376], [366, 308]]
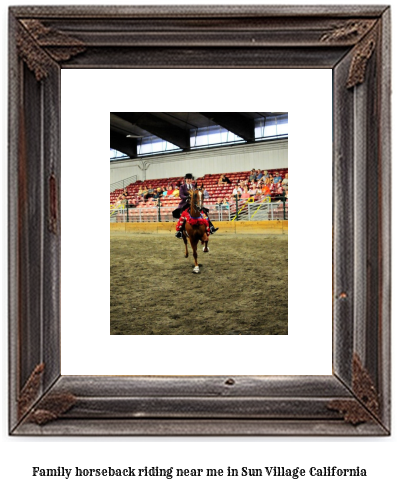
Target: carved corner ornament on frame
[[353, 42]]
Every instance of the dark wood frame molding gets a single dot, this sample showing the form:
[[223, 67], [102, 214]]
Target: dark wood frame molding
[[353, 41]]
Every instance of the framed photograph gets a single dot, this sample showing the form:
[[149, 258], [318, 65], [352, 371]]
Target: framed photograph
[[353, 42], [240, 218]]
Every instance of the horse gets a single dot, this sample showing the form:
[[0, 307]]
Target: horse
[[196, 230]]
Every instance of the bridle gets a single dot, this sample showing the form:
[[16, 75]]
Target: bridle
[[196, 197]]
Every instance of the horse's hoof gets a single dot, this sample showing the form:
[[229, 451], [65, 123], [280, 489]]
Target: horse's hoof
[[196, 270], [205, 250]]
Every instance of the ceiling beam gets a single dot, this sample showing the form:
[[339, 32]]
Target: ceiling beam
[[126, 145], [161, 128], [235, 123]]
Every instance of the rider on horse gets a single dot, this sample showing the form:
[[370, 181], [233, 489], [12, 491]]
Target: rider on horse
[[184, 193]]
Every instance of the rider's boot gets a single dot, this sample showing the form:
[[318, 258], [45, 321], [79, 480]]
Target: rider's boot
[[179, 228], [212, 228]]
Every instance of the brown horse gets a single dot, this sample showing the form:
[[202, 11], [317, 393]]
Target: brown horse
[[195, 232]]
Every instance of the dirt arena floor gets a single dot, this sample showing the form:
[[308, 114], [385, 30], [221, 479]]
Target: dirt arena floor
[[242, 288]]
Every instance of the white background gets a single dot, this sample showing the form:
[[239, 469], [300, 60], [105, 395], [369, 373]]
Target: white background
[[85, 241], [378, 455]]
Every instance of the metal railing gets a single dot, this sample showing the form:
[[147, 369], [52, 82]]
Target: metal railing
[[247, 211], [263, 208], [122, 183], [267, 211], [142, 214]]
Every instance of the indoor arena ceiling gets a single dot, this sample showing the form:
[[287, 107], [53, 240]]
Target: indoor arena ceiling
[[128, 128]]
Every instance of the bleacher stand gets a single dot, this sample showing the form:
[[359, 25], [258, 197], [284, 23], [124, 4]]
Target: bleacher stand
[[211, 182]]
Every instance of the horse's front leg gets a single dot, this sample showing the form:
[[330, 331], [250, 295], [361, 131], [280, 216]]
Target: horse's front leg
[[194, 246], [185, 244], [204, 241]]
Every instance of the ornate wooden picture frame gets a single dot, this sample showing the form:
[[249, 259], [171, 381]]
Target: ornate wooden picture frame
[[353, 41]]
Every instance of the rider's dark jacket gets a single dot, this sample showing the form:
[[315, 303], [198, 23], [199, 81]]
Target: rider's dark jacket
[[184, 194]]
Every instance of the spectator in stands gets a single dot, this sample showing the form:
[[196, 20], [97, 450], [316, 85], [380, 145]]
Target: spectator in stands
[[259, 175], [279, 191], [222, 204], [204, 191], [266, 189], [243, 182], [151, 192], [252, 190], [218, 204], [277, 178], [223, 180], [252, 176], [237, 191], [157, 194], [265, 175], [120, 200], [245, 194], [145, 193], [225, 203], [285, 183], [175, 192], [140, 193], [169, 191]]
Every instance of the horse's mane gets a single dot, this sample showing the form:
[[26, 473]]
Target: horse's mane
[[192, 193], [191, 200]]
